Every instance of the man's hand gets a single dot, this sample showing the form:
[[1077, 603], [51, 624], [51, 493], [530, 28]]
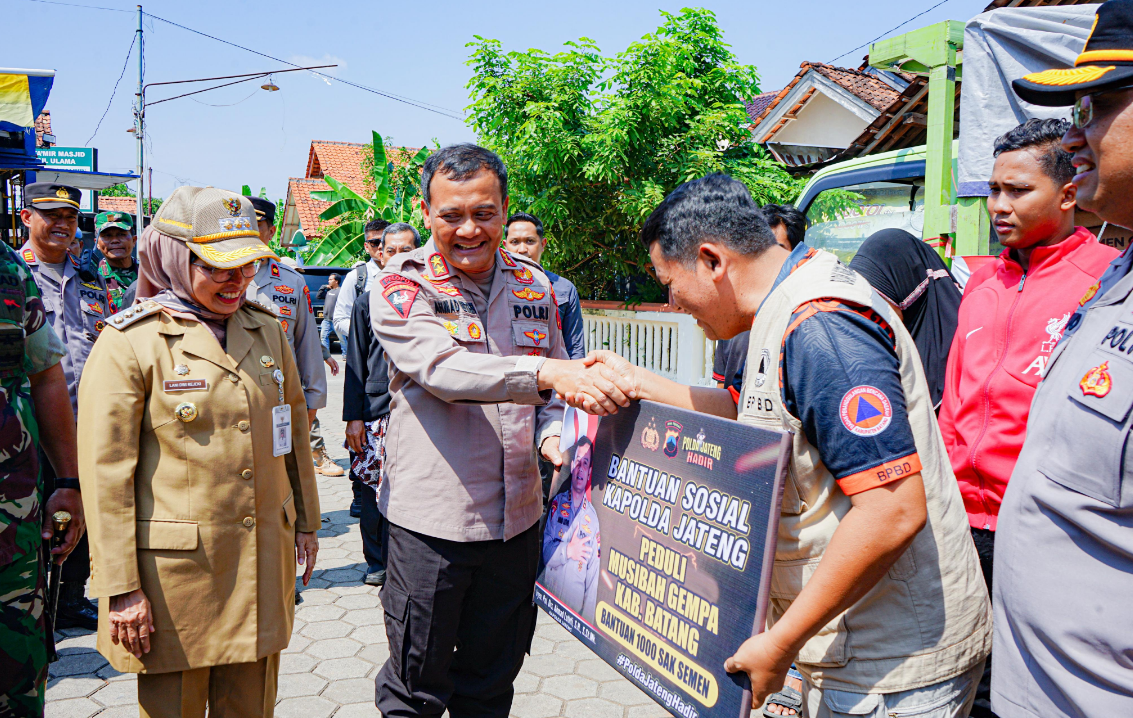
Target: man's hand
[[577, 550], [616, 368], [549, 449], [71, 501], [131, 621], [355, 431], [306, 549], [765, 664], [602, 390], [333, 366]]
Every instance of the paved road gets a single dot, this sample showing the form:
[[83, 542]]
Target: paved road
[[339, 642]]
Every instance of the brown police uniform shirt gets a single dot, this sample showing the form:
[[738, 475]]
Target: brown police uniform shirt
[[466, 416]]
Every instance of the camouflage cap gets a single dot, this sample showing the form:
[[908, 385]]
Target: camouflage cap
[[217, 225], [121, 220]]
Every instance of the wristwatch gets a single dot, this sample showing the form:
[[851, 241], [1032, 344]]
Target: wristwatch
[[67, 483]]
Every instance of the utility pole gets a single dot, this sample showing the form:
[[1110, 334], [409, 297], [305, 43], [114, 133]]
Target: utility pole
[[139, 124]]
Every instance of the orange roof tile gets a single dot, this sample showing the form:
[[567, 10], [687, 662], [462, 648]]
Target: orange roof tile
[[863, 85], [342, 160], [129, 205], [307, 207]]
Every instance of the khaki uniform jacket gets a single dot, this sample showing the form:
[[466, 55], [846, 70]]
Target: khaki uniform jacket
[[195, 511], [466, 415]]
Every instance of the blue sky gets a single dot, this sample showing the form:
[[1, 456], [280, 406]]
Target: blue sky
[[412, 49]]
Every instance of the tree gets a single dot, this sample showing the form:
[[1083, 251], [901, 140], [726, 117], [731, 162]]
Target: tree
[[594, 143], [394, 184]]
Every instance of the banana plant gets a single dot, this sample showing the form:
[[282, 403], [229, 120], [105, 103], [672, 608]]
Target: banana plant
[[393, 200]]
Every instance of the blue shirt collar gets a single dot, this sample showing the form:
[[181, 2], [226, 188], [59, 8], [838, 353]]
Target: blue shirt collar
[[797, 254]]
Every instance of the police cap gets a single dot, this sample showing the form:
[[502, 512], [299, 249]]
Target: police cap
[[265, 209], [51, 195]]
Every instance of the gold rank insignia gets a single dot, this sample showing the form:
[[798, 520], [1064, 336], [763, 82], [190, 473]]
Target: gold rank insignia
[[451, 327], [267, 362]]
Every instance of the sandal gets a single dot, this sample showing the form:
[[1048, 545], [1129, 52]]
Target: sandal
[[787, 698]]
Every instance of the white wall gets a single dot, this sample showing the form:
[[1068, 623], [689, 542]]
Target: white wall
[[821, 123]]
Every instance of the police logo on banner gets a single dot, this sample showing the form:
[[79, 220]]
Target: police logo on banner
[[865, 411]]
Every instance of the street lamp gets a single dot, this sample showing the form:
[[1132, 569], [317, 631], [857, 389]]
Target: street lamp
[[138, 130]]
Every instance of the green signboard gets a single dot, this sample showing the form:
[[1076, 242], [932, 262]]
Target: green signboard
[[73, 159], [79, 159]]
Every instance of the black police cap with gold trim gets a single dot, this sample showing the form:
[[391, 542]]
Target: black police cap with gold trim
[[49, 195], [265, 209], [1106, 61]]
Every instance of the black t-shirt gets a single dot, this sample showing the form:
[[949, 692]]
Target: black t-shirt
[[731, 355]]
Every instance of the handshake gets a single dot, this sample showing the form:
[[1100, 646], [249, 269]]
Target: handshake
[[598, 384]]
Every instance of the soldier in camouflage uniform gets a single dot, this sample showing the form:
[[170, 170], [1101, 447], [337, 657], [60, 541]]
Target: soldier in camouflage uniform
[[115, 242], [31, 379]]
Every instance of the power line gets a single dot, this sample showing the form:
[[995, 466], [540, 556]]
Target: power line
[[115, 90], [419, 104], [88, 7], [445, 112], [914, 17]]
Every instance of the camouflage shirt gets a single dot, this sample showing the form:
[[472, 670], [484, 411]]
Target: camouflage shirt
[[117, 280], [28, 345]]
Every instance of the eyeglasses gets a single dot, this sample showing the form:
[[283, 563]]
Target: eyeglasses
[[220, 276], [1083, 112]]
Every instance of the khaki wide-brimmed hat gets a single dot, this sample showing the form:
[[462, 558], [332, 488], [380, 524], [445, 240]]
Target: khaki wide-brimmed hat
[[217, 225]]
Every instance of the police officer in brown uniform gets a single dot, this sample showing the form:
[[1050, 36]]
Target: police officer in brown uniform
[[475, 350], [196, 470]]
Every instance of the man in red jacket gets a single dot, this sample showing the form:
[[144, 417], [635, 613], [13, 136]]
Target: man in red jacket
[[1013, 313]]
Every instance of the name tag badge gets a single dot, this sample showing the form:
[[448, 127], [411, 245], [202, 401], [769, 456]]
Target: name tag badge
[[281, 430], [172, 385]]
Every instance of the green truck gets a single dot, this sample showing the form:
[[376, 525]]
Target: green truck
[[913, 188]]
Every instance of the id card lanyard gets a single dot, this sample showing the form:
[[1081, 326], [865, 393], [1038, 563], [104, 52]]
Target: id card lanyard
[[280, 421]]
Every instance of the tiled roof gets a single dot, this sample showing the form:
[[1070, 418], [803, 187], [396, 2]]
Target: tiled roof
[[756, 105], [341, 160], [308, 208], [1034, 3], [42, 127], [129, 205], [863, 85]]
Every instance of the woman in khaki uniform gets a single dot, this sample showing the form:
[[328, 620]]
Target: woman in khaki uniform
[[199, 499]]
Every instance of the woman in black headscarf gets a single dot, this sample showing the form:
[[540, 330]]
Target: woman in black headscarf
[[913, 278]]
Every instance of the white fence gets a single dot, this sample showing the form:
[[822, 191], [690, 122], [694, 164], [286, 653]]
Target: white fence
[[666, 343]]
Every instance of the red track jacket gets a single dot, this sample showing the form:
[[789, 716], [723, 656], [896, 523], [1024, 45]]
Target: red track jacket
[[1008, 326]]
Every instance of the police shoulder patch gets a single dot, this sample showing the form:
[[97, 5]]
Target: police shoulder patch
[[399, 293], [133, 314]]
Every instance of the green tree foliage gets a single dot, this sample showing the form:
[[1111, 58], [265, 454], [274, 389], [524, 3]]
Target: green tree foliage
[[594, 143], [393, 186]]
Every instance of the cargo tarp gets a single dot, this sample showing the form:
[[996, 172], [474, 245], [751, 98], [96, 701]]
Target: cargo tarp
[[1000, 46]]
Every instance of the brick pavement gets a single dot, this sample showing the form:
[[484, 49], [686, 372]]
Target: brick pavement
[[339, 642]]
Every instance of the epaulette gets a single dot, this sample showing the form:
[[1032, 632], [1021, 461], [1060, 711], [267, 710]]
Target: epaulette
[[126, 317], [256, 305]]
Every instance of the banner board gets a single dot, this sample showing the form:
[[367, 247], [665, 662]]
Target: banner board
[[658, 546]]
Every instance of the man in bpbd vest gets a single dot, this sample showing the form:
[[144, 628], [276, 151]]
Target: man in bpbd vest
[[878, 596]]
